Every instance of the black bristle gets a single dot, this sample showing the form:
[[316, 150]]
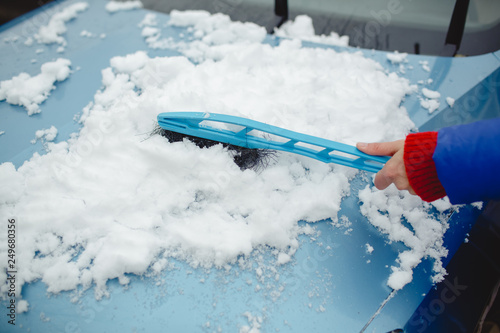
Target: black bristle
[[245, 158]]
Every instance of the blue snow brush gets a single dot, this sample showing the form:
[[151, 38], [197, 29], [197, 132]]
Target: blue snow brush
[[251, 134]]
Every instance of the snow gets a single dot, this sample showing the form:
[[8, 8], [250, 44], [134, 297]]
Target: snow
[[86, 33], [283, 258], [431, 100], [425, 65], [430, 104], [211, 34], [430, 93], [28, 41], [51, 33], [130, 63], [22, 306], [150, 31], [478, 205], [120, 202], [388, 210], [10, 192], [115, 6], [450, 101], [149, 20], [396, 57], [255, 323], [302, 28], [12, 39], [48, 134], [29, 91]]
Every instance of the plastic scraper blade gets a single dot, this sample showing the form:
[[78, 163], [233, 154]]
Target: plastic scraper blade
[[252, 134]]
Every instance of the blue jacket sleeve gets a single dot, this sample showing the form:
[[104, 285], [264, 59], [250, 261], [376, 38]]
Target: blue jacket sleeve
[[467, 159]]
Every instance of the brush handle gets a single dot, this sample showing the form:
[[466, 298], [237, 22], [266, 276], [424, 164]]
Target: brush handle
[[200, 124]]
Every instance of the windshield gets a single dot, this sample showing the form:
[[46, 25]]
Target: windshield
[[413, 26], [425, 14], [399, 25]]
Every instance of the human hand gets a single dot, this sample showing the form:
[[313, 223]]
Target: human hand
[[394, 170]]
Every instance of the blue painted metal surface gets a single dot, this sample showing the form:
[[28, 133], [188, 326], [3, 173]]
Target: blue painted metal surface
[[331, 288]]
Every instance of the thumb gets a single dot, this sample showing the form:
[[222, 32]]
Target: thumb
[[381, 148]]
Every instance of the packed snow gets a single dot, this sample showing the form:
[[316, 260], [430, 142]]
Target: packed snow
[[30, 91], [113, 200]]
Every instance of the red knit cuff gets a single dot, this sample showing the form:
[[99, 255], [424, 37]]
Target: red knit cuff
[[420, 167]]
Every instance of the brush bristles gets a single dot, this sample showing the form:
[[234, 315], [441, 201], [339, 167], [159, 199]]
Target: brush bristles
[[245, 158]]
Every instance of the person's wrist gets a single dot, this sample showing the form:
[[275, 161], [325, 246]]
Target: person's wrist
[[420, 167]]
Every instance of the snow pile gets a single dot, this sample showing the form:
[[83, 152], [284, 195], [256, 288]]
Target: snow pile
[[302, 28], [112, 200], [430, 100], [388, 210], [217, 29], [29, 91], [51, 33], [115, 6], [176, 200], [210, 35]]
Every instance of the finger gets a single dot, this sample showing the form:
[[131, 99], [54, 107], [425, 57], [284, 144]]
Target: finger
[[381, 148], [392, 172], [382, 181]]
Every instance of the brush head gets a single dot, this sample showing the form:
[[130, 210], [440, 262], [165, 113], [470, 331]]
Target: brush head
[[245, 158]]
